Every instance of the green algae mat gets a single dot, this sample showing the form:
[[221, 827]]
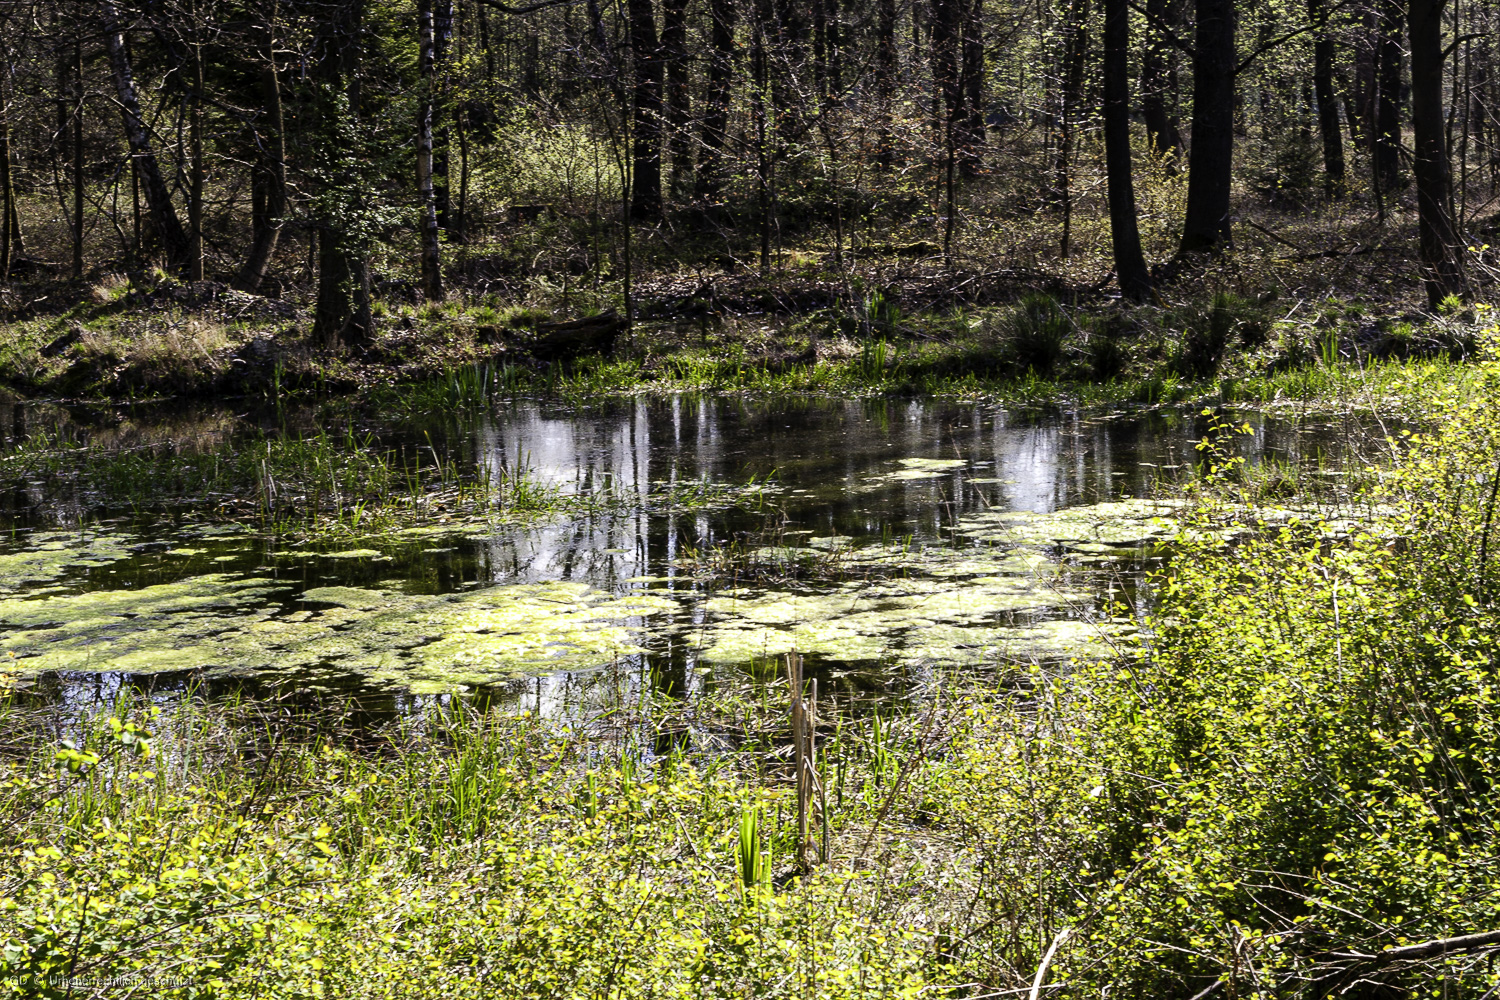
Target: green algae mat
[[63, 610], [222, 625]]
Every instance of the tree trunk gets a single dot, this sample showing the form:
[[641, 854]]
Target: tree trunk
[[342, 316], [158, 199], [1328, 108], [1161, 127], [16, 245], [721, 15], [432, 263], [1130, 263], [886, 68], [1075, 51], [947, 59], [7, 182], [1387, 134], [973, 133], [442, 38], [195, 179], [820, 48], [760, 112], [1442, 263], [679, 94], [77, 103], [645, 131], [270, 173], [836, 40], [1211, 157]]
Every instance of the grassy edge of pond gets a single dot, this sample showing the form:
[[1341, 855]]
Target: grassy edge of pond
[[300, 484], [1291, 778], [1219, 347]]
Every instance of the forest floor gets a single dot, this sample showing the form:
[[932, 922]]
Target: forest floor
[[898, 316]]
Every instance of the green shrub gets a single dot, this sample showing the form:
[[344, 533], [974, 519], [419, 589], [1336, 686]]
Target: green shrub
[[1298, 762]]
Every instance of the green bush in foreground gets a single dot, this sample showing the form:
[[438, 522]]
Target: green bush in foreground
[[1292, 772]]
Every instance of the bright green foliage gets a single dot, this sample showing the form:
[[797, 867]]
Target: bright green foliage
[[1300, 761], [497, 860]]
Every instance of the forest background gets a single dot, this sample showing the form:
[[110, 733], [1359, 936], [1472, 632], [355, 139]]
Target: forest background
[[578, 170]]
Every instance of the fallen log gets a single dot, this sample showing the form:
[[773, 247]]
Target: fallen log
[[578, 337]]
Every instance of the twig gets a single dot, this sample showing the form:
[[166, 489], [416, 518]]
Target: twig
[[1041, 970]]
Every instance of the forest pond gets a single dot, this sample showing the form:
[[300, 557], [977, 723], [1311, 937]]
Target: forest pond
[[885, 540]]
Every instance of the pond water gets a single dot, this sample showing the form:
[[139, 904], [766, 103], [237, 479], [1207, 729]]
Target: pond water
[[886, 540]]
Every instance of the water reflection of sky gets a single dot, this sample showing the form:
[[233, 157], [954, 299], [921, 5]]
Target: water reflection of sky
[[827, 456]]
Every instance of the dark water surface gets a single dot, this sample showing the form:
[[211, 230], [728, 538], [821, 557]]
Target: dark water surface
[[884, 546]]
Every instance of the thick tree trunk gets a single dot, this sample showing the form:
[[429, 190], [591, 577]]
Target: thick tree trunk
[[432, 262], [1130, 263], [820, 47], [645, 131], [1442, 263], [1211, 157], [1161, 127], [1387, 132], [947, 60], [760, 115], [342, 317], [1328, 107], [158, 199], [721, 15], [15, 245], [270, 173], [679, 93], [836, 37], [195, 179], [442, 112], [77, 111], [7, 182], [1366, 77]]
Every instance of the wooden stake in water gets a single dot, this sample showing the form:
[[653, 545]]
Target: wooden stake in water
[[794, 680], [803, 744]]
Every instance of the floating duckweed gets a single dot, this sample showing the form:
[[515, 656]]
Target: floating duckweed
[[225, 625], [222, 530], [344, 597], [1119, 522], [919, 468], [49, 555], [950, 612]]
